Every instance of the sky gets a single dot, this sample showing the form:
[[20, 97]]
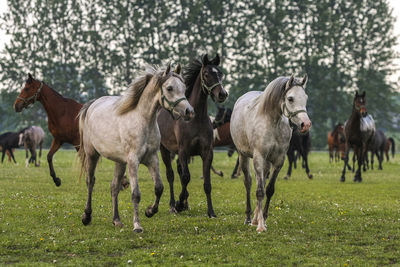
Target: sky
[[395, 4]]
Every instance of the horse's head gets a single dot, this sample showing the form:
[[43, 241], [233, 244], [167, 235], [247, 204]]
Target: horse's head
[[211, 77], [359, 104], [29, 93], [294, 104], [173, 94], [21, 139], [223, 116]]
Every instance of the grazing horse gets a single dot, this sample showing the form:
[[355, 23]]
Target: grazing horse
[[261, 128], [124, 129], [62, 115], [202, 78], [302, 144], [336, 142], [359, 130], [222, 137], [30, 138], [377, 147], [389, 143], [8, 142]]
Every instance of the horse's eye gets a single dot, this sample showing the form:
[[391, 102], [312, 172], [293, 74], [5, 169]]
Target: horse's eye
[[290, 99], [169, 88]]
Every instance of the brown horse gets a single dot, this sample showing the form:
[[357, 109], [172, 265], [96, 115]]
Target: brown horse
[[359, 131], [202, 78], [336, 143], [62, 115]]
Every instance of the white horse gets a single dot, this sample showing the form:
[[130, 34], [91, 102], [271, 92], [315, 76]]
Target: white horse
[[261, 128], [30, 138], [124, 129]]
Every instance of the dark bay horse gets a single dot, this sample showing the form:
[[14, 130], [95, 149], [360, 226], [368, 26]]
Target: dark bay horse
[[62, 115], [336, 143], [359, 130], [9, 141], [222, 137], [202, 78], [302, 144]]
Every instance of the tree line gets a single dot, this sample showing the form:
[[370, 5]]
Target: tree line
[[87, 49]]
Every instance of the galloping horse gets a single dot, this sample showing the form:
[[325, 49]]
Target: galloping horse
[[222, 137], [302, 144], [359, 130], [124, 129], [202, 78], [336, 142], [62, 115], [261, 128], [30, 138]]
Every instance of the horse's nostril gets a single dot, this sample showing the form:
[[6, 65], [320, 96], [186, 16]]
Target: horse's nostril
[[302, 125], [222, 95]]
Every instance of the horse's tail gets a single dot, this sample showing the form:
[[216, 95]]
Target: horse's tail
[[393, 148], [81, 152]]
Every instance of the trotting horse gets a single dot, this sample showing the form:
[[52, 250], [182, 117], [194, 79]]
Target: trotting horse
[[261, 128], [302, 144], [62, 115], [30, 138], [202, 78], [124, 129], [359, 131]]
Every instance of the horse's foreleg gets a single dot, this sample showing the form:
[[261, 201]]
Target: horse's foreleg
[[270, 190], [290, 156], [90, 181], [3, 154], [346, 162], [305, 158], [207, 158], [166, 157], [154, 169], [40, 152], [372, 159], [55, 145], [379, 154], [26, 155], [217, 172], [119, 172], [244, 165], [12, 155], [35, 155], [259, 169], [133, 166], [184, 174]]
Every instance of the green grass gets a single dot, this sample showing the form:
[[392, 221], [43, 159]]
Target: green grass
[[311, 222]]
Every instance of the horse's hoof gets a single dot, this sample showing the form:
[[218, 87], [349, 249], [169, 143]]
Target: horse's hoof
[[57, 181], [310, 176], [234, 176], [254, 222], [212, 215], [247, 221], [118, 224], [86, 218], [150, 211], [179, 206], [261, 228], [172, 210], [286, 177], [221, 174], [342, 179], [138, 230]]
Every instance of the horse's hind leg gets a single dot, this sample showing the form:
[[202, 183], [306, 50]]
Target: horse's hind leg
[[217, 172], [119, 172], [133, 166], [55, 145], [12, 155], [26, 155], [184, 173], [236, 172], [244, 165], [154, 169], [207, 158], [346, 162], [40, 152], [92, 159], [166, 157], [290, 155]]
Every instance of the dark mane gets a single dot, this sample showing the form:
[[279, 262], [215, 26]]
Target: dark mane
[[190, 74], [336, 127]]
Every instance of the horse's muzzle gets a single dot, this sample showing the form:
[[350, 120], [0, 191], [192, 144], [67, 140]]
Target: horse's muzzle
[[305, 126], [18, 106]]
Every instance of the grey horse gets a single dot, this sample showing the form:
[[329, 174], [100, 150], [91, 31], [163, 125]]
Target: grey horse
[[30, 138]]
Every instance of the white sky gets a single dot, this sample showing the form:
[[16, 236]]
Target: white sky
[[394, 3]]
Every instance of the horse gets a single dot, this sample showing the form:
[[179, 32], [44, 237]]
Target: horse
[[377, 147], [336, 141], [359, 130], [389, 143], [222, 137], [62, 115], [302, 144], [202, 78], [8, 142], [30, 138], [124, 129], [261, 128]]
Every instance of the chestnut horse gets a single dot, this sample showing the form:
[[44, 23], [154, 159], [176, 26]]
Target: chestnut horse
[[336, 142], [62, 115]]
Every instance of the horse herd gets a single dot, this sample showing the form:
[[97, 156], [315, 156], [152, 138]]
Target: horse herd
[[166, 110]]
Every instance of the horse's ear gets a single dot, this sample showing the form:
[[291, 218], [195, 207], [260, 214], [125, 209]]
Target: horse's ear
[[30, 78], [168, 69], [289, 82], [216, 60], [304, 81], [205, 60], [178, 69]]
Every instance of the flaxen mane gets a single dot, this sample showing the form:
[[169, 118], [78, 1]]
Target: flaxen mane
[[273, 95]]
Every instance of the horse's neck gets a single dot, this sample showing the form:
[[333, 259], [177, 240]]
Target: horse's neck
[[52, 102], [198, 100], [149, 104]]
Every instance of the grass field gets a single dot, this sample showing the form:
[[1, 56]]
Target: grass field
[[311, 222]]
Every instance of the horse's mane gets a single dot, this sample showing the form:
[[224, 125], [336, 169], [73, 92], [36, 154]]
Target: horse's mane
[[24, 129], [272, 95], [131, 98], [190, 74], [336, 127]]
